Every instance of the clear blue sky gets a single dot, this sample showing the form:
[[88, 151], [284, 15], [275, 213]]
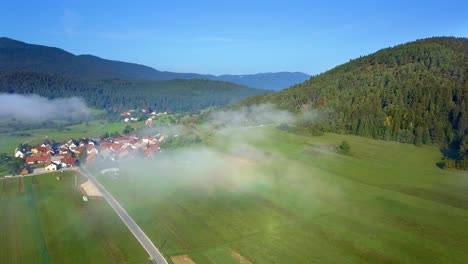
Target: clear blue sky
[[234, 37]]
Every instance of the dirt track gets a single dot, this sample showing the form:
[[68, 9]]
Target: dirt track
[[90, 189]]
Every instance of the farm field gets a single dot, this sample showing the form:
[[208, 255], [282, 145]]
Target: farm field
[[291, 199], [44, 220], [9, 141]]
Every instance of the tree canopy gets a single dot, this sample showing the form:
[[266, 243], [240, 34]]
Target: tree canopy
[[415, 93]]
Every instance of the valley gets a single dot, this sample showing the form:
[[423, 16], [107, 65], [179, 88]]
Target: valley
[[241, 132]]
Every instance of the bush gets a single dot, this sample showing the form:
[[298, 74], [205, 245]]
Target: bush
[[345, 147]]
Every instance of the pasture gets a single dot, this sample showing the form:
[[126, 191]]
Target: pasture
[[44, 220], [284, 198]]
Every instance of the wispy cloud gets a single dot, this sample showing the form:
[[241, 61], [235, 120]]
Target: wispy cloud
[[71, 21]]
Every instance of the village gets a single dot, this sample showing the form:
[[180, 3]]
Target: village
[[52, 156]]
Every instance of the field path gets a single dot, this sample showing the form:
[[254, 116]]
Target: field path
[[147, 244]]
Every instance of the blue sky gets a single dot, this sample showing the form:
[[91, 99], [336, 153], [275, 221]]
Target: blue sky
[[235, 37]]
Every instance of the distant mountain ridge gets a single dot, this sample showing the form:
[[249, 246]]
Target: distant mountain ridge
[[17, 56]]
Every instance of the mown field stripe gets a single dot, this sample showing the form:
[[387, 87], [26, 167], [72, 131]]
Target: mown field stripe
[[37, 233]]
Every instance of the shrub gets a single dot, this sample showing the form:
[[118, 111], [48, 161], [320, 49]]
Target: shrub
[[345, 147]]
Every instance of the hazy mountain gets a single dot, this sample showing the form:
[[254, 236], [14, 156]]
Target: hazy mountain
[[272, 81], [415, 92], [17, 56]]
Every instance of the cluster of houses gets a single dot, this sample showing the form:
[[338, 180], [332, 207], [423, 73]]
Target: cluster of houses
[[129, 146], [53, 156], [50, 156], [135, 116]]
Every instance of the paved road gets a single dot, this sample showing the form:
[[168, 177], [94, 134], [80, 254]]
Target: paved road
[[154, 253]]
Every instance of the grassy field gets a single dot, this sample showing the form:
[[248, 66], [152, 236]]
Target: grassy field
[[301, 202], [9, 141], [44, 220]]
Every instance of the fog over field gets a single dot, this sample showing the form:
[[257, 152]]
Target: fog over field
[[232, 160], [37, 108]]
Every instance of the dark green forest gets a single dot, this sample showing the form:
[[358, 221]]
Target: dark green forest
[[116, 94], [413, 93]]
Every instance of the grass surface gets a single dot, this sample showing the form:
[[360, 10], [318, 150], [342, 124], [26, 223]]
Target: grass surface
[[387, 202], [44, 220], [9, 141]]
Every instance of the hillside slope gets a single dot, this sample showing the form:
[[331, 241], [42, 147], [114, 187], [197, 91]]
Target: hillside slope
[[174, 95], [415, 92], [17, 56]]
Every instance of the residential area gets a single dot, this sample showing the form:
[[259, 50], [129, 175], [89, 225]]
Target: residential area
[[141, 114], [53, 156]]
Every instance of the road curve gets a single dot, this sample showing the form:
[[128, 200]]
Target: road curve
[[147, 244]]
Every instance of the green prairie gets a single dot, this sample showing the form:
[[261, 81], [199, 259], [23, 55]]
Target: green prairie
[[44, 220], [299, 201]]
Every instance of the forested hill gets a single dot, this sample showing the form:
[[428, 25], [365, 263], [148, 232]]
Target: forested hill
[[174, 95], [415, 92], [17, 56]]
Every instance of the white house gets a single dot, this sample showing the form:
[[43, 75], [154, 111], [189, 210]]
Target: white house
[[50, 166], [19, 154], [71, 144]]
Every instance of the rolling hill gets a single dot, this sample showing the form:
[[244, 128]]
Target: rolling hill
[[415, 93], [17, 56]]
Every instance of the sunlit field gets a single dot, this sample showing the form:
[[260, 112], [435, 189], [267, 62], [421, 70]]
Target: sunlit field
[[44, 220], [282, 198]]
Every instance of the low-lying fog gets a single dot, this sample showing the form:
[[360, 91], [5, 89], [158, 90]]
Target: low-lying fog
[[33, 108]]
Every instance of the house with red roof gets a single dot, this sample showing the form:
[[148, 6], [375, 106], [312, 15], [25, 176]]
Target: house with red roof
[[78, 150], [149, 150], [50, 166], [37, 159], [41, 149], [68, 162], [115, 147], [91, 149]]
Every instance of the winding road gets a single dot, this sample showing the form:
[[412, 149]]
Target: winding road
[[147, 244]]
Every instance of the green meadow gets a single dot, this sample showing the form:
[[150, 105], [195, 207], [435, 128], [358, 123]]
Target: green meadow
[[44, 220], [299, 201]]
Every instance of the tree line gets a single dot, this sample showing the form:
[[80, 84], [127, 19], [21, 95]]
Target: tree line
[[117, 94]]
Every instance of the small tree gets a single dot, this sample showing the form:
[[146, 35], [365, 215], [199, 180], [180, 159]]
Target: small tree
[[127, 130], [283, 126], [82, 156], [105, 135], [345, 147], [448, 163]]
